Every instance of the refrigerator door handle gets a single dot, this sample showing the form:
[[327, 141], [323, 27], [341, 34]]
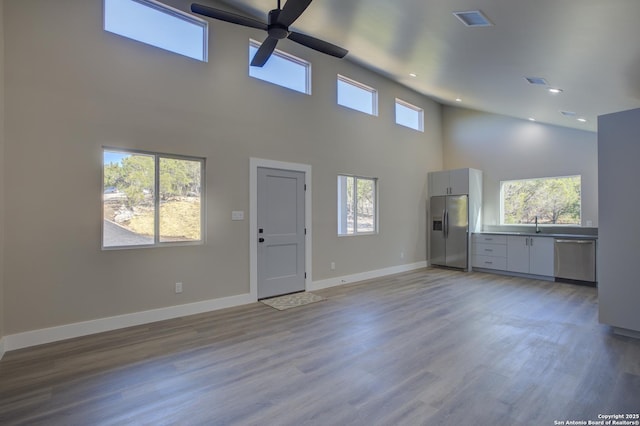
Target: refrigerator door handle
[[445, 227]]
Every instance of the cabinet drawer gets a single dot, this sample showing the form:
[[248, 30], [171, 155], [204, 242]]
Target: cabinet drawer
[[489, 262], [490, 238], [484, 249]]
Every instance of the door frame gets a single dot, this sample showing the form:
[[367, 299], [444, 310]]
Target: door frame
[[254, 165]]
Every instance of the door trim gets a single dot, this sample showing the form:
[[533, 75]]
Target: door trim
[[254, 164]]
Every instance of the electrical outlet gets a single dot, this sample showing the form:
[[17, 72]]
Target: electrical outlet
[[178, 287], [333, 266]]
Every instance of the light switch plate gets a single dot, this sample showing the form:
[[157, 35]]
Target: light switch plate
[[237, 215]]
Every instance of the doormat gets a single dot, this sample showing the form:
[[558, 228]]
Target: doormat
[[294, 300]]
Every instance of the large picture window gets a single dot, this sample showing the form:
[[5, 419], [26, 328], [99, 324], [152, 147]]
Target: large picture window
[[151, 199], [357, 205], [553, 200]]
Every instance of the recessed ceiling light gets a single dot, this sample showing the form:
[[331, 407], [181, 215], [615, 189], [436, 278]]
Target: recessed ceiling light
[[413, 74], [568, 113], [582, 120], [473, 18], [532, 119], [555, 90], [458, 100]]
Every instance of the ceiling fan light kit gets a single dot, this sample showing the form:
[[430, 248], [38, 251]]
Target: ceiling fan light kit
[[277, 29]]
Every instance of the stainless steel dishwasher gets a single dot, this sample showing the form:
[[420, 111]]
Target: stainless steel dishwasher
[[575, 259]]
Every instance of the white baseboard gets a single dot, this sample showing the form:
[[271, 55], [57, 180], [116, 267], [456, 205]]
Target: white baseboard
[[626, 332], [26, 339], [347, 279], [69, 331]]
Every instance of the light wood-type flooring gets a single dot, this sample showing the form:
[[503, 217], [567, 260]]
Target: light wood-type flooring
[[428, 347]]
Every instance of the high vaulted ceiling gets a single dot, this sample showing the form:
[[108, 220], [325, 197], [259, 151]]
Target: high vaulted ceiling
[[588, 48]]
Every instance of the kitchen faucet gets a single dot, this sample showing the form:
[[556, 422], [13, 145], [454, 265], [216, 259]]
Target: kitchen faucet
[[537, 229]]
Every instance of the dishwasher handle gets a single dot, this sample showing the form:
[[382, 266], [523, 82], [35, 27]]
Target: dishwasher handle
[[575, 242]]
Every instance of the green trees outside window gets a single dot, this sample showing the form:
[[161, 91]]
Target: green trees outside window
[[357, 205], [554, 200], [151, 198]]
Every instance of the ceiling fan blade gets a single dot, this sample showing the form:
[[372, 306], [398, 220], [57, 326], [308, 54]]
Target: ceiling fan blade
[[292, 11], [227, 16], [264, 52], [319, 45]]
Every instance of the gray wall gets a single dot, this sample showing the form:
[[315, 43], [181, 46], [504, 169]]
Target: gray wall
[[72, 88], [506, 148], [618, 285], [2, 169]]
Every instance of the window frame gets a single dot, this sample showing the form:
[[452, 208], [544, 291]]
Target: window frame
[[169, 11], [420, 111], [502, 201], [340, 196], [156, 202], [287, 57], [361, 86]]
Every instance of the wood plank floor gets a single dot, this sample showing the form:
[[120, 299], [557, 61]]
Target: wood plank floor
[[429, 347]]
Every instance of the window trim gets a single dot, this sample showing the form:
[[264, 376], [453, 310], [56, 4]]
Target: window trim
[[156, 202], [542, 225], [287, 57], [415, 108], [171, 11], [357, 84], [376, 207]]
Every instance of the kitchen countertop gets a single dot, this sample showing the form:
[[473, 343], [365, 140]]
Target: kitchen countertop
[[533, 234]]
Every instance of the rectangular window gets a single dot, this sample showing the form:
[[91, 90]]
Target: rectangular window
[[354, 95], [151, 199], [409, 115], [357, 205], [282, 69], [159, 25], [554, 200]]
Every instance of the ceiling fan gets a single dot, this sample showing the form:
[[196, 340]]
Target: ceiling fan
[[277, 29]]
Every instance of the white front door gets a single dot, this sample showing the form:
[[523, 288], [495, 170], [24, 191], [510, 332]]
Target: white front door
[[281, 232]]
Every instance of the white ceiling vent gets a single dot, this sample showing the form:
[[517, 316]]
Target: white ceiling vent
[[568, 113], [473, 18], [537, 81]]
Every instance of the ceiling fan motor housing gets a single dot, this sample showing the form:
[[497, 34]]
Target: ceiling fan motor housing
[[275, 29]]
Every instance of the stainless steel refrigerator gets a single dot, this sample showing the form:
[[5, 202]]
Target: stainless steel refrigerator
[[449, 228]]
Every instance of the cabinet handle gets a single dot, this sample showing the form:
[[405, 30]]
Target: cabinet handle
[[531, 241], [488, 249], [488, 262], [488, 239]]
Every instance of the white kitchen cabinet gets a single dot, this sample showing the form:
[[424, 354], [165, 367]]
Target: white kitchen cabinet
[[518, 254], [541, 256], [530, 255], [489, 251], [451, 182]]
